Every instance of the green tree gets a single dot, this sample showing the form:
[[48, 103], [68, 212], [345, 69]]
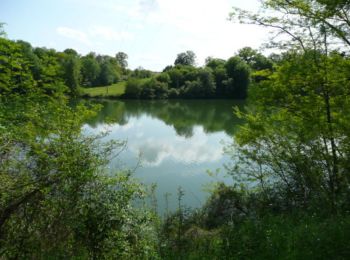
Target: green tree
[[254, 59], [122, 59], [141, 73], [219, 73], [108, 74], [238, 78], [49, 71], [2, 31], [15, 73], [207, 82], [133, 88], [293, 134], [90, 70], [186, 58], [72, 71]]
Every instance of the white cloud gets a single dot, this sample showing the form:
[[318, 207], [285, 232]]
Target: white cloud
[[73, 34], [95, 34], [143, 28], [109, 34], [201, 26], [197, 149]]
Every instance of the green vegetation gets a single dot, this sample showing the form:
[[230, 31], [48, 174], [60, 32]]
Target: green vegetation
[[114, 90], [290, 159], [95, 75], [239, 224], [218, 79], [57, 198]]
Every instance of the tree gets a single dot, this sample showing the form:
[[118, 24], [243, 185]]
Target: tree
[[238, 78], [296, 137], [207, 82], [90, 70], [49, 71], [15, 74], [186, 58], [254, 59], [71, 52], [108, 74], [133, 88], [72, 68], [122, 59], [303, 21], [213, 63], [219, 73], [2, 31], [141, 73]]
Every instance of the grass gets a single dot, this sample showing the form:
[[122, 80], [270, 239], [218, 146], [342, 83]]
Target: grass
[[114, 90]]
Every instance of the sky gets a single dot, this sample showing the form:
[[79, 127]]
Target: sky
[[151, 32]]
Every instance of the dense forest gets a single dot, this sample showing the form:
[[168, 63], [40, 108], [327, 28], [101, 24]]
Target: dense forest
[[290, 158]]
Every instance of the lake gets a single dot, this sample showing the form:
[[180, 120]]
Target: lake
[[171, 143]]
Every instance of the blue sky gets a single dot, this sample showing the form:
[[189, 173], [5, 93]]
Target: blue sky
[[151, 32]]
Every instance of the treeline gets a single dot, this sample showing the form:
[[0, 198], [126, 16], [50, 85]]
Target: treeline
[[217, 79], [49, 71]]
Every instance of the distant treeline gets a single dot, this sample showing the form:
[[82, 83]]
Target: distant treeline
[[217, 79], [24, 66]]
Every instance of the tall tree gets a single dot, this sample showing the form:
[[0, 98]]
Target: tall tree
[[2, 30], [254, 59], [90, 70], [122, 59], [15, 74], [297, 134], [238, 78], [72, 68], [186, 58]]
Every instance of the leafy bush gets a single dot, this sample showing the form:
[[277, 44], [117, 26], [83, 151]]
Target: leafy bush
[[56, 198]]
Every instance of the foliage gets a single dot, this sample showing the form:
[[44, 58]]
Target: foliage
[[237, 223], [133, 88], [122, 59], [57, 200], [222, 80], [58, 72], [290, 160], [108, 74], [154, 89], [15, 73], [2, 31], [296, 136], [72, 76], [187, 58], [90, 70], [303, 21], [238, 78], [141, 73], [66, 72]]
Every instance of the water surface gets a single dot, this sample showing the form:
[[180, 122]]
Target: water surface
[[171, 143]]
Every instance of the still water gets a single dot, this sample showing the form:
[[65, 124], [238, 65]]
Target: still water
[[170, 143]]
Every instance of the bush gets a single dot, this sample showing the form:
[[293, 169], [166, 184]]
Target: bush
[[133, 88], [57, 201]]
